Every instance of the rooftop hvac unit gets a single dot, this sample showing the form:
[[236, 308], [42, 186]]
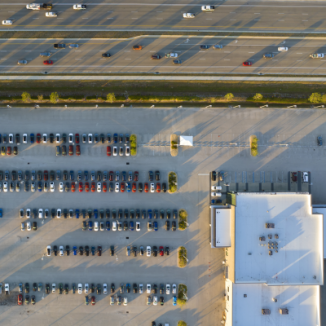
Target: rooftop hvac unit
[[270, 252], [269, 225], [261, 238], [283, 311], [265, 311]]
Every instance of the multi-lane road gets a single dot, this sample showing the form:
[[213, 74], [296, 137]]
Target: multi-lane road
[[87, 58], [274, 16]]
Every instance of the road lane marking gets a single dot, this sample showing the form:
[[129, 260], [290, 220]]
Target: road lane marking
[[257, 13], [305, 20], [127, 59], [281, 13], [85, 18], [134, 18], [299, 53], [251, 52]]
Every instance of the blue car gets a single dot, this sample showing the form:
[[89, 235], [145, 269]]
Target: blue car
[[131, 225], [39, 186], [0, 138], [32, 138], [74, 249], [155, 226], [72, 175], [86, 175], [107, 225], [115, 138], [150, 214], [124, 176], [90, 225], [4, 138], [174, 302], [95, 213], [77, 213], [128, 186], [0, 212]]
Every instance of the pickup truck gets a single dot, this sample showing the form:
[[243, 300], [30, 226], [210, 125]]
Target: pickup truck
[[207, 8], [38, 6], [171, 55], [317, 55]]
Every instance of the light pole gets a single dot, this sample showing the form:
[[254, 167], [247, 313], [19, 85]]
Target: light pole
[[185, 258]]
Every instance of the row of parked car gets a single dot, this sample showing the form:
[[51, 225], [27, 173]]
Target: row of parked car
[[76, 250], [101, 213], [9, 150], [149, 251], [63, 138]]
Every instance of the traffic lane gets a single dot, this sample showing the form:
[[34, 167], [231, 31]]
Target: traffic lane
[[169, 17]]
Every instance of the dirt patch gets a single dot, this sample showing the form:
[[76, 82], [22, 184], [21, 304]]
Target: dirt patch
[[10, 299]]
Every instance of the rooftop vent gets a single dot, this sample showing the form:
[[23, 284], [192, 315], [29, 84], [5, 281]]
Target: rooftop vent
[[266, 311], [274, 299], [244, 295], [261, 238], [283, 311], [269, 225], [276, 236]]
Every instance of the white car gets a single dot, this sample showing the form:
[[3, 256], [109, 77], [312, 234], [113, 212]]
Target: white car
[[152, 187], [57, 138], [105, 288], [11, 138], [51, 14], [188, 15], [61, 186], [117, 187], [52, 189], [90, 138], [148, 288], [61, 251], [282, 48], [167, 288], [22, 226], [127, 151], [7, 288], [79, 7], [155, 300], [125, 301], [28, 212], [174, 288], [95, 226], [99, 188], [214, 188], [114, 226], [53, 287], [7, 22], [24, 138], [115, 151], [5, 186], [29, 226], [45, 138], [207, 8], [80, 288], [148, 251], [86, 288], [59, 213], [71, 138], [137, 226], [33, 186], [40, 213], [141, 288], [216, 194]]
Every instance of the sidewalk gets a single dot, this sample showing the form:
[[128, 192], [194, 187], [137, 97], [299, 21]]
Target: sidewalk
[[183, 78]]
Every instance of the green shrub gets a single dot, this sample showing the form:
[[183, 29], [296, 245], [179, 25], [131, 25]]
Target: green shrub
[[26, 97], [40, 97], [229, 96], [315, 98], [182, 255], [54, 97], [182, 323], [110, 97], [172, 182], [254, 146], [258, 97], [182, 295], [183, 218], [133, 145], [174, 144]]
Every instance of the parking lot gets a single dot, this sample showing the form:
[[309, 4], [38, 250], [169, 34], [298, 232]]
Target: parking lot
[[23, 254]]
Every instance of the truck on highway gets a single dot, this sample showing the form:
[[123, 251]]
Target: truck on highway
[[317, 55], [171, 55], [207, 8], [38, 6]]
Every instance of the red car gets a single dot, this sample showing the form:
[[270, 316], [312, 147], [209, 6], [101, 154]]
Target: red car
[[136, 176], [247, 63], [158, 187], [80, 187], [20, 299], [93, 301], [46, 175], [73, 187], [161, 251], [77, 138], [8, 150], [104, 187], [78, 150], [71, 150], [86, 186], [48, 62], [134, 187], [111, 176], [93, 187], [108, 150], [146, 187], [38, 138], [122, 187]]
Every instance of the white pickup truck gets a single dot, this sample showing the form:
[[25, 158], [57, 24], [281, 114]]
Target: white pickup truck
[[317, 55], [38, 6], [207, 8]]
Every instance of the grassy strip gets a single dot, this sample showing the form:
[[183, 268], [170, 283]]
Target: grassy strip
[[183, 219], [182, 255], [254, 145], [133, 145], [173, 145], [173, 182], [182, 295]]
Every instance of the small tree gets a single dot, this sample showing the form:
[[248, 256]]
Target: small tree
[[54, 97], [26, 97], [110, 97], [229, 96], [182, 323], [258, 97], [323, 98], [315, 98], [40, 97]]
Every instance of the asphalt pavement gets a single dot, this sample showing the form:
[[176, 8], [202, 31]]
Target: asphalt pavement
[[87, 58], [285, 16]]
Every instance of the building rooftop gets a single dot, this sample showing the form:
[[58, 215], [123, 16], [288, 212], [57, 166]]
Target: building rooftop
[[302, 303], [277, 239], [321, 210], [221, 227]]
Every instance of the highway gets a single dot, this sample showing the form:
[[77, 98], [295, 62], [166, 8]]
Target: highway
[[265, 16], [88, 57]]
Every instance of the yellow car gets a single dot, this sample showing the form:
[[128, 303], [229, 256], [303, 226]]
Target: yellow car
[[3, 151]]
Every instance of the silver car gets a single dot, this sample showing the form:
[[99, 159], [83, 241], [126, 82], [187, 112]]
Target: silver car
[[22, 62], [45, 54], [73, 46]]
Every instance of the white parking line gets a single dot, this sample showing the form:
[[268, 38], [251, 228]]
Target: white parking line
[[134, 18], [257, 13], [305, 20], [127, 59], [281, 13], [251, 52], [299, 53]]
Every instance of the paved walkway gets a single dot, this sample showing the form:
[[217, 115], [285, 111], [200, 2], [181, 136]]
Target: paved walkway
[[183, 78]]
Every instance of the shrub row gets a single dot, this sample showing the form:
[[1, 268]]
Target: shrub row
[[173, 185], [133, 145]]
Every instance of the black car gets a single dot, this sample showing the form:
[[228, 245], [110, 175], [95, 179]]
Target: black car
[[73, 288], [154, 289], [59, 46], [51, 138], [47, 288], [167, 225], [114, 214], [177, 62], [99, 289], [268, 55], [167, 251], [163, 187], [168, 214], [108, 138], [90, 213], [53, 213], [135, 288], [83, 211], [17, 139], [87, 250], [154, 251], [140, 187], [101, 213], [52, 175], [175, 213], [204, 47], [213, 175], [84, 226], [126, 213], [143, 214], [112, 287], [162, 301], [132, 214], [150, 176], [92, 288], [174, 225], [65, 175], [99, 250], [81, 250], [106, 55], [68, 250], [112, 251], [120, 213], [66, 288], [65, 213], [26, 186], [55, 250], [102, 138], [34, 287], [93, 250], [125, 226], [26, 287], [162, 214], [99, 175], [157, 175], [137, 213], [34, 226], [107, 213]]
